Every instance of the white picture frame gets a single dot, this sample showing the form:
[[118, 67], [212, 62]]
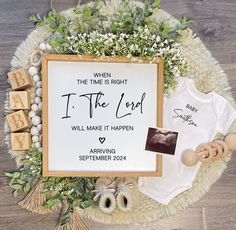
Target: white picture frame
[[96, 114]]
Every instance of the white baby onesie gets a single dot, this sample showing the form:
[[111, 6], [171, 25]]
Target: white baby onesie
[[197, 117]]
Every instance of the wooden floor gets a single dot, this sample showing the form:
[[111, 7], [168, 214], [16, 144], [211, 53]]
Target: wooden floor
[[215, 23]]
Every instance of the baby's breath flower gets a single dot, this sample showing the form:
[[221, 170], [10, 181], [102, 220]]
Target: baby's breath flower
[[142, 43]]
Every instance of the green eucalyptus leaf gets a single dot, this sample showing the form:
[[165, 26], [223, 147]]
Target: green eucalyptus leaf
[[16, 186], [12, 181], [78, 10], [33, 18], [14, 193], [8, 174], [156, 4], [27, 187], [43, 23], [21, 182], [87, 12], [16, 174]]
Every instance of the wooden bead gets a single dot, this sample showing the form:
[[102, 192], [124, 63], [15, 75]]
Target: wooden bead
[[35, 138], [34, 131], [37, 145], [39, 92], [20, 79], [32, 114], [20, 141], [40, 150], [39, 84], [189, 157], [39, 127], [33, 70], [37, 100], [36, 120], [48, 47], [40, 105], [34, 107], [36, 78], [18, 121], [230, 140], [42, 46]]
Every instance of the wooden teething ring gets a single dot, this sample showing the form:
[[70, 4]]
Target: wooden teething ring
[[217, 150], [224, 146], [204, 152], [38, 55]]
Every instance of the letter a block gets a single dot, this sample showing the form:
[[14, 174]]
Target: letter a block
[[20, 141], [20, 79], [19, 100], [18, 121]]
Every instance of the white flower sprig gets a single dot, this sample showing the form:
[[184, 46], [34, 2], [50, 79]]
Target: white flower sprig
[[141, 43]]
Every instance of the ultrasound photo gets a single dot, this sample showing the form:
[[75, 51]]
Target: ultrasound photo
[[161, 141]]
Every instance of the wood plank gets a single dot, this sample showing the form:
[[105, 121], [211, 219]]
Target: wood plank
[[215, 23]]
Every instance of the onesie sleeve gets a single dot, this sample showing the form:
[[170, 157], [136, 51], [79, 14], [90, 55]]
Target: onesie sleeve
[[225, 113]]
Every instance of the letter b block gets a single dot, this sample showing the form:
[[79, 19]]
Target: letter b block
[[19, 100], [20, 141], [20, 79], [18, 121]]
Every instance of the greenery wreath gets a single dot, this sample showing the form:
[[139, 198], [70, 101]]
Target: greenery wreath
[[130, 32]]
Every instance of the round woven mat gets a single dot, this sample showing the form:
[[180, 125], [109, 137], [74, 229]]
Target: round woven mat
[[208, 76]]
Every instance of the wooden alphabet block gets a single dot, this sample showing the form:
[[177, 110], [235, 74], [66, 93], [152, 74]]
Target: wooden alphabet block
[[19, 100], [20, 79], [20, 141], [18, 121]]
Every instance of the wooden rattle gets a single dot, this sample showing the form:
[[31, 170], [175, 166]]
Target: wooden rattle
[[189, 157], [214, 150]]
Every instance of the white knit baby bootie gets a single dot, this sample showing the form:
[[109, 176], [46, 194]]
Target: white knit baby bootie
[[105, 188], [124, 197]]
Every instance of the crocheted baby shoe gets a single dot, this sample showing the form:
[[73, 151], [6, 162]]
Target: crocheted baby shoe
[[104, 189]]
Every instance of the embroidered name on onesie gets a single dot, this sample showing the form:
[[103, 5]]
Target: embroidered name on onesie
[[186, 117]]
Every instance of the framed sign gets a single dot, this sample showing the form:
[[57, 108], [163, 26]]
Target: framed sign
[[96, 115]]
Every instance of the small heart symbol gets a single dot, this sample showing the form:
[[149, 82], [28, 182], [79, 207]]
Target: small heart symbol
[[102, 139]]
